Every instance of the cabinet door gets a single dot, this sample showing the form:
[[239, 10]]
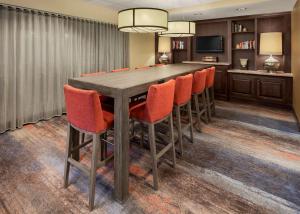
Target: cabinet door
[[242, 86], [220, 85], [271, 89]]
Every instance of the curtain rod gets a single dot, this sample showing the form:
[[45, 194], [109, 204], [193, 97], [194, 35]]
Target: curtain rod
[[50, 13]]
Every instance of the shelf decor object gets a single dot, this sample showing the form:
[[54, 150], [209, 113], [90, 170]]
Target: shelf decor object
[[244, 63], [143, 20], [271, 44], [180, 29], [164, 46]]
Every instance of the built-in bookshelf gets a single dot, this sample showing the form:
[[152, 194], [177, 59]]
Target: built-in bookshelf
[[243, 42]]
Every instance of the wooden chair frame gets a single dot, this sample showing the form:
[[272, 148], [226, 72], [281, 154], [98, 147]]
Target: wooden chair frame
[[154, 155], [204, 110], [210, 100], [178, 124], [72, 158]]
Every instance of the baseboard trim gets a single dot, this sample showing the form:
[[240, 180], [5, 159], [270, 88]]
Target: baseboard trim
[[297, 119]]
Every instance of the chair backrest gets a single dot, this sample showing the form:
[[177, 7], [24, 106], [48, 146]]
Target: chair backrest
[[159, 103], [210, 79], [142, 68], [93, 74], [183, 89], [84, 109], [120, 69], [199, 81]]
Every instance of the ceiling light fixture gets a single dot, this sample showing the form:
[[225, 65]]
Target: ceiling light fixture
[[180, 29], [143, 20]]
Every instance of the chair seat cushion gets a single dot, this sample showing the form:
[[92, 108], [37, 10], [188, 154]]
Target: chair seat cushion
[[138, 112], [108, 118]]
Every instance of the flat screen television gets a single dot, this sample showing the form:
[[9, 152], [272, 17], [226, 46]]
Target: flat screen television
[[209, 44]]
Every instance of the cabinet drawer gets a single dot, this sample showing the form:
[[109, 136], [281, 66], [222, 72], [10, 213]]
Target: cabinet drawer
[[242, 86], [271, 89]]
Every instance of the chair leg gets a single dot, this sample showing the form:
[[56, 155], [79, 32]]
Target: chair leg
[[142, 135], [171, 129], [68, 154], [205, 107], [153, 155], [213, 101], [95, 155], [197, 111], [178, 119], [208, 103], [191, 121]]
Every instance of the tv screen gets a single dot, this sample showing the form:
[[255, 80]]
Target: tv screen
[[209, 44]]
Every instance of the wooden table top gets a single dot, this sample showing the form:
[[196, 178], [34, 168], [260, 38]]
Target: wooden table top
[[112, 82]]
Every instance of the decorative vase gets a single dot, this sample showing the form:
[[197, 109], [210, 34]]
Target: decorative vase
[[244, 63]]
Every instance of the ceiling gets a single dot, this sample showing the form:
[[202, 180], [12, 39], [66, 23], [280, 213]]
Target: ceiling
[[204, 9]]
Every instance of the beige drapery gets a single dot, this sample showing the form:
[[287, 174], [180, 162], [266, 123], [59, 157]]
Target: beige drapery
[[40, 51]]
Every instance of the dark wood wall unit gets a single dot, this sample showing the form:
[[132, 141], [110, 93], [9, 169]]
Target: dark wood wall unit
[[261, 89], [204, 28], [279, 23], [221, 82]]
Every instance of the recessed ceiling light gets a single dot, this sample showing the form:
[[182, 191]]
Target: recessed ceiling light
[[197, 14], [242, 9]]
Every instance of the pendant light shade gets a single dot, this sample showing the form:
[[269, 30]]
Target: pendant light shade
[[143, 20], [180, 29]]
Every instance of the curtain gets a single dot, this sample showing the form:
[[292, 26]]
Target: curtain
[[40, 51]]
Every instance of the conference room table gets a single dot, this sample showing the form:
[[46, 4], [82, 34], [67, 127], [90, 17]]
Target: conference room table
[[121, 86]]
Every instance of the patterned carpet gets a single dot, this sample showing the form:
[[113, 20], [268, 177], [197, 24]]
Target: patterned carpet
[[246, 161]]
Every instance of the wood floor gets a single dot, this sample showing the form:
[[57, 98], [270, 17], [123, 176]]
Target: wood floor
[[246, 161]]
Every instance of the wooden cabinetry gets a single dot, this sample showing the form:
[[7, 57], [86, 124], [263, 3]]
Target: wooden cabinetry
[[260, 88], [221, 83]]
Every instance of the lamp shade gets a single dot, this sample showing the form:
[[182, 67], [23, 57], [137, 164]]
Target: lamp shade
[[271, 43], [180, 29], [164, 44], [143, 20]]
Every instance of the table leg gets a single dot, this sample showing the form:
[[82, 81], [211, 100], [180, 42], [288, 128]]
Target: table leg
[[121, 148]]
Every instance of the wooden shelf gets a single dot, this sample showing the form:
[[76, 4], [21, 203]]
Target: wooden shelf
[[240, 49], [179, 50], [249, 32]]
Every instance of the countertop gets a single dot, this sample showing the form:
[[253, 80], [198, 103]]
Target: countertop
[[261, 72], [207, 63]]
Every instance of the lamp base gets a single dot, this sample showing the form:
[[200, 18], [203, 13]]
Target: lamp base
[[271, 64], [164, 59]]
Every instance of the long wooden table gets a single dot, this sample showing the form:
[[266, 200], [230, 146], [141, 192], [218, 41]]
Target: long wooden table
[[121, 86]]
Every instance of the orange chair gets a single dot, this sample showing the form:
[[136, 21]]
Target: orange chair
[[199, 84], [120, 69], [157, 108], [210, 93], [100, 73], [143, 68], [85, 115], [182, 98]]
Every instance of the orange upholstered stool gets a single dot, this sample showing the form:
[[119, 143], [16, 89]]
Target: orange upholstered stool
[[210, 93], [120, 69], [85, 115], [157, 108], [199, 84], [182, 98]]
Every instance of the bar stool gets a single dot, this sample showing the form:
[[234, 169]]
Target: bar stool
[[156, 109], [210, 93], [84, 114], [120, 69], [199, 90], [182, 98]]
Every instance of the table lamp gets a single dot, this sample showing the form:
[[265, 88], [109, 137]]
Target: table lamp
[[271, 44], [164, 46]]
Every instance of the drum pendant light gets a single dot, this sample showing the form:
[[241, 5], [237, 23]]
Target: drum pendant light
[[180, 29], [143, 20]]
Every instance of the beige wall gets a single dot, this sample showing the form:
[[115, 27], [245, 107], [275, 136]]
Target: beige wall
[[80, 8], [141, 49], [296, 56]]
